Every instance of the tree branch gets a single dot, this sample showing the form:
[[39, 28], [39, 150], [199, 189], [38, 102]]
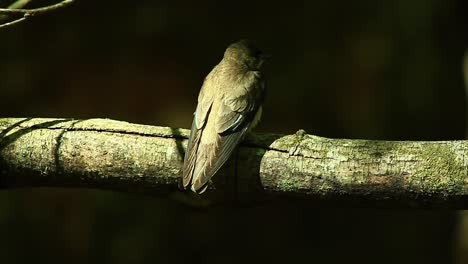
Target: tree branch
[[15, 5], [26, 13], [11, 23], [107, 154]]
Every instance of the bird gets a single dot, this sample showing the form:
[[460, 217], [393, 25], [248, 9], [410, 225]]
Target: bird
[[229, 106]]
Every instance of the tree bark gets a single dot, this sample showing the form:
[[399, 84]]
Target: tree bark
[[114, 155]]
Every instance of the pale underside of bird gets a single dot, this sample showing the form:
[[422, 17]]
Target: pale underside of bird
[[229, 105]]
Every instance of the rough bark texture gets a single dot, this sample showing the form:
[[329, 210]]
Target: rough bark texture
[[115, 155]]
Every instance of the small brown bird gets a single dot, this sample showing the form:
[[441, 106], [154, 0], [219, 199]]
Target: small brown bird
[[229, 105]]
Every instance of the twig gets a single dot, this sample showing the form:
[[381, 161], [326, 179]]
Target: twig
[[11, 23], [15, 5], [36, 11], [29, 12]]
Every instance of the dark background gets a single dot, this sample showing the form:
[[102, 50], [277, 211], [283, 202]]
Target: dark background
[[348, 69]]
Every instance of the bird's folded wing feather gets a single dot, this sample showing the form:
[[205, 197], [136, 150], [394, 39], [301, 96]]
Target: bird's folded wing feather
[[212, 155], [232, 116], [199, 121]]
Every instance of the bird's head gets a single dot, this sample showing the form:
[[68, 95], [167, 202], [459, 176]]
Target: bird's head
[[245, 52]]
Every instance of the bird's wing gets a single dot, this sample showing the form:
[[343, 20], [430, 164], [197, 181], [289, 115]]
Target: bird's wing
[[199, 121], [232, 118]]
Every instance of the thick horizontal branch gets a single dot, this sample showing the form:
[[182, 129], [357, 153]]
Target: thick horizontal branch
[[107, 154]]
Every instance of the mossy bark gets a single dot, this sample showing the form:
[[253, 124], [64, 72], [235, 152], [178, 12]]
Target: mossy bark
[[115, 155]]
